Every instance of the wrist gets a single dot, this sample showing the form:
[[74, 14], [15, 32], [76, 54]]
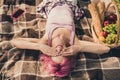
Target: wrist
[[78, 48]]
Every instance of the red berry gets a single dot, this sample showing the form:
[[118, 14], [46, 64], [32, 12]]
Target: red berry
[[106, 23], [104, 33], [112, 17]]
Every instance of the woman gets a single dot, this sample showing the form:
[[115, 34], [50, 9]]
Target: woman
[[59, 45]]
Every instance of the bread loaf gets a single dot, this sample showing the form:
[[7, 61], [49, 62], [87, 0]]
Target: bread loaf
[[101, 10], [96, 21]]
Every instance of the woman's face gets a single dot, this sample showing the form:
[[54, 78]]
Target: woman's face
[[58, 43], [59, 48]]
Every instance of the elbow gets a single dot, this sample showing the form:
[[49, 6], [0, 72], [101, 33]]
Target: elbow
[[104, 51]]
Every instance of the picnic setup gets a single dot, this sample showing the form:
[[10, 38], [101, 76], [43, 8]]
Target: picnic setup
[[59, 39]]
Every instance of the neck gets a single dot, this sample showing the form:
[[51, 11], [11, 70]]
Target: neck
[[58, 40], [61, 37]]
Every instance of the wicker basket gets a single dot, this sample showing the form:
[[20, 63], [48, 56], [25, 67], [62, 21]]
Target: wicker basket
[[115, 44]]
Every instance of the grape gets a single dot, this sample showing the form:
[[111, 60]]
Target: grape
[[110, 38], [111, 29]]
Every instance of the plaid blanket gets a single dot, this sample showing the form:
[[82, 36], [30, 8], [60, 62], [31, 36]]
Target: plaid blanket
[[17, 64]]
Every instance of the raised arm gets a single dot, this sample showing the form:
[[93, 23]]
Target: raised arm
[[35, 44], [35, 40], [85, 46], [24, 44]]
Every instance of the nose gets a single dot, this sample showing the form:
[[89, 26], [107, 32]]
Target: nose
[[59, 48]]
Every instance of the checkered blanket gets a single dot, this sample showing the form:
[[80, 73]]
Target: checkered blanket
[[17, 64]]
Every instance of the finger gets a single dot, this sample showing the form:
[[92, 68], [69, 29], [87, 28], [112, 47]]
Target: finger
[[65, 55], [55, 54], [60, 53], [68, 51]]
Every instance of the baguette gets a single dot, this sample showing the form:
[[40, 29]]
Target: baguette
[[96, 21], [101, 9]]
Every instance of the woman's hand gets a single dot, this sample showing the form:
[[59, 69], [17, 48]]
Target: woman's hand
[[70, 51], [50, 51]]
